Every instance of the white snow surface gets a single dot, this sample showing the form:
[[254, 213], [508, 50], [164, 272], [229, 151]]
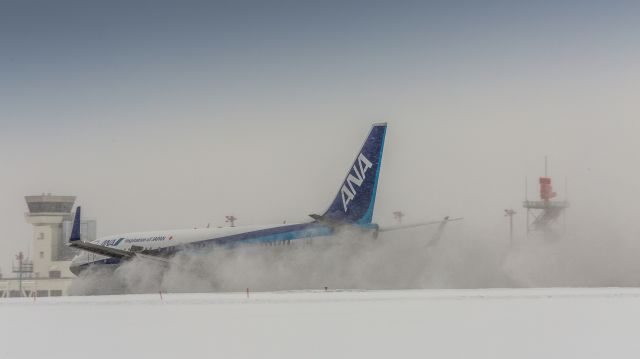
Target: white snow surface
[[488, 323]]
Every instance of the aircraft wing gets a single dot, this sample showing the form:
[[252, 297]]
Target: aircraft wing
[[117, 253], [102, 250], [76, 242], [420, 224]]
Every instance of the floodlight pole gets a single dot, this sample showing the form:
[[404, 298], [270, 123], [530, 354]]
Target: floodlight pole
[[510, 213]]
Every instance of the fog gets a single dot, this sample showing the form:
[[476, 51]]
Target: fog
[[162, 117], [408, 259], [347, 260]]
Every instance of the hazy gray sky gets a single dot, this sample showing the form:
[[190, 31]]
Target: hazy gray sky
[[160, 114]]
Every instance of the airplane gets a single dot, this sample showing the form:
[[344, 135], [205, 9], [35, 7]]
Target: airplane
[[351, 208]]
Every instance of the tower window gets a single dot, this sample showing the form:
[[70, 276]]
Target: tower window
[[41, 254]]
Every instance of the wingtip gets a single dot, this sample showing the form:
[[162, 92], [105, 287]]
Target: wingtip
[[75, 231]]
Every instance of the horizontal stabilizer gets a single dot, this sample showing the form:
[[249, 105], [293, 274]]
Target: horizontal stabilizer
[[328, 221]]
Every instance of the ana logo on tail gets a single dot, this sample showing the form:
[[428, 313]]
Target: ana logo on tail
[[359, 174]]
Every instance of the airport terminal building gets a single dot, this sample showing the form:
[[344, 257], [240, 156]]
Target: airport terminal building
[[45, 271]]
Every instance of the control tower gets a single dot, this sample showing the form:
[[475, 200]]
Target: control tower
[[46, 214], [45, 271], [543, 214]]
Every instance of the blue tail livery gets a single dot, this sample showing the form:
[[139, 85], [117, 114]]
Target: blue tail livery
[[357, 195]]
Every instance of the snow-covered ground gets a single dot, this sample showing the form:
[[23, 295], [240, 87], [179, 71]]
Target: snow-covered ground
[[495, 323]]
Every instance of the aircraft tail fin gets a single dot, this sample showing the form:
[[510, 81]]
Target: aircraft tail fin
[[357, 195]]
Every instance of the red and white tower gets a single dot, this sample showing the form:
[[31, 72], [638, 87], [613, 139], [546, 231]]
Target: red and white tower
[[543, 214]]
